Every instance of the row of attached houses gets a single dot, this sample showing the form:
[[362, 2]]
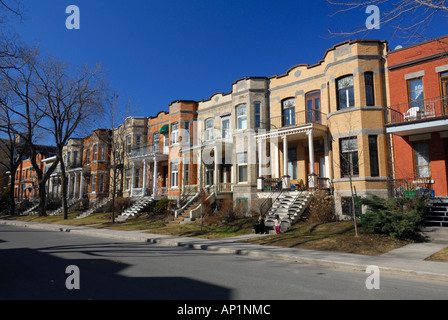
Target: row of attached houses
[[363, 118]]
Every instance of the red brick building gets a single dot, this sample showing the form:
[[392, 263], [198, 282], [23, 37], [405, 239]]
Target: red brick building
[[417, 118]]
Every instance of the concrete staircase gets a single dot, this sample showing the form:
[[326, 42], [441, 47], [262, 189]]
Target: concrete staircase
[[136, 208], [70, 204], [288, 207], [437, 215], [183, 216], [31, 211], [94, 208]]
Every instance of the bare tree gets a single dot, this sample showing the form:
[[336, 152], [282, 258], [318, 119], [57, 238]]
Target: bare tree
[[70, 98], [114, 117], [410, 18]]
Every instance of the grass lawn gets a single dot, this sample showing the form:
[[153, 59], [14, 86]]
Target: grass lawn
[[335, 236], [441, 256]]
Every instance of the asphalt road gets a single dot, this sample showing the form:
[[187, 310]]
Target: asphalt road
[[33, 265]]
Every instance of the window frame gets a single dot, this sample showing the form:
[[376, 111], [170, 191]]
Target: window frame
[[257, 114], [225, 132], [417, 102], [174, 168], [242, 164], [288, 111], [369, 102], [349, 92], [209, 127], [241, 117], [175, 133], [344, 162], [416, 153]]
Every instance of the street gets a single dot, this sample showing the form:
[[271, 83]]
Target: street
[[34, 264]]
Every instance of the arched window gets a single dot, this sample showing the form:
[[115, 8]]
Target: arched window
[[288, 112], [346, 93], [313, 107]]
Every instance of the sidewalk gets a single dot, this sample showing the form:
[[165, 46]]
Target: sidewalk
[[407, 261]]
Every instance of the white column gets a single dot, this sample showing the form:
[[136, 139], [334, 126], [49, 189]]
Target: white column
[[215, 172], [311, 151], [132, 179], [81, 189], [154, 179], [312, 179], [285, 156], [144, 177], [74, 185], [286, 182], [327, 158], [68, 185], [260, 166], [275, 165]]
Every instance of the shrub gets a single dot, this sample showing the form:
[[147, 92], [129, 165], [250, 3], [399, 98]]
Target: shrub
[[164, 206], [396, 217], [321, 208]]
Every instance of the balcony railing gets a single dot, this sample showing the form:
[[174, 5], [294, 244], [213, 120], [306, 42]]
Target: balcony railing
[[148, 149], [417, 110], [298, 118]]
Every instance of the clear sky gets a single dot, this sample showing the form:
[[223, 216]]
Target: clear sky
[[157, 52]]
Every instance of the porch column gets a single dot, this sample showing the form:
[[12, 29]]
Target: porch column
[[215, 172], [132, 179], [260, 166], [312, 179], [74, 185], [327, 158], [81, 186], [275, 165], [286, 183], [200, 182], [154, 178], [144, 178], [68, 185]]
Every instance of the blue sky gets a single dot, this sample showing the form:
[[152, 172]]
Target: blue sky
[[157, 52]]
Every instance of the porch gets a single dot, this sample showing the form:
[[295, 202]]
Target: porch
[[148, 176]]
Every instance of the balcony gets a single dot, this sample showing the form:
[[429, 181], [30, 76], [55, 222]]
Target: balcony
[[147, 150], [410, 116], [298, 118]]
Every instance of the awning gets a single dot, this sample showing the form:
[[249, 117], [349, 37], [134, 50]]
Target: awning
[[165, 129]]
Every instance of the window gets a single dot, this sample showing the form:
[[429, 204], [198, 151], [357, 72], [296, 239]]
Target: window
[[87, 157], [138, 140], [93, 183], [95, 152], [208, 129], [241, 114], [370, 93], [174, 174], [155, 143], [373, 153], [209, 174], [416, 94], [313, 107], [257, 114], [421, 155], [127, 183], [186, 174], [241, 159], [75, 159], [102, 153], [444, 82], [288, 112], [69, 158], [101, 183], [346, 93], [225, 127], [349, 157], [175, 133], [128, 145]]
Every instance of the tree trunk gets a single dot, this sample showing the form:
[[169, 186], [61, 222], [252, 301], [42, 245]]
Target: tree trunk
[[42, 199], [12, 205]]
